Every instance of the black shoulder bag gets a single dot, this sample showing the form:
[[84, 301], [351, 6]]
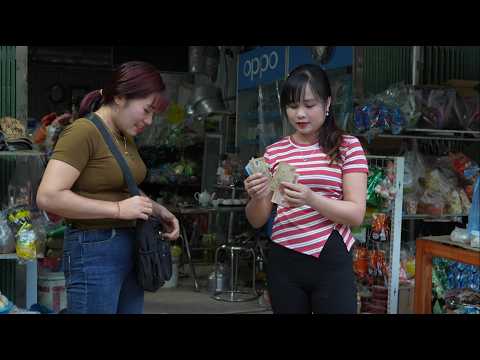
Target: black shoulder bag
[[153, 260]]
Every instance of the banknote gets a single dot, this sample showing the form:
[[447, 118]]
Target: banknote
[[284, 172]]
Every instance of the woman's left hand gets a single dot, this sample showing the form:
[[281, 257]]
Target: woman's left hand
[[169, 221], [296, 195]]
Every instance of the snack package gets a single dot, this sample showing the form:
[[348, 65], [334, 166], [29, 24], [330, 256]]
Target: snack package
[[375, 177], [380, 227], [360, 261]]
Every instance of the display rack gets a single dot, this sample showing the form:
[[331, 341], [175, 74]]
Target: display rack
[[31, 269], [395, 225], [24, 169]]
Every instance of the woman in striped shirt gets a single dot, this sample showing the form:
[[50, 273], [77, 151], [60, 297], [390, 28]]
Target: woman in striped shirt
[[310, 264]]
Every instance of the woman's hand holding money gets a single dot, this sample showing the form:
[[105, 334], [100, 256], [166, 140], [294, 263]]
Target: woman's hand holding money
[[296, 195], [257, 186]]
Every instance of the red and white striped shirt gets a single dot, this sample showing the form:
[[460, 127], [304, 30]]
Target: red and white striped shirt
[[303, 228]]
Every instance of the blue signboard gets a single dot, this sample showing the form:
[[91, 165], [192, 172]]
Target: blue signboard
[[263, 65], [338, 57]]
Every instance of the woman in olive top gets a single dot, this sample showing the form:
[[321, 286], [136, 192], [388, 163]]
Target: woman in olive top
[[84, 184]]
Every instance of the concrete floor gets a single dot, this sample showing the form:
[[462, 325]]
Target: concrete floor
[[184, 300]]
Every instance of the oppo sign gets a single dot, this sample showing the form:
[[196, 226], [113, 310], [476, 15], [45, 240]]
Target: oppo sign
[[258, 65], [261, 66]]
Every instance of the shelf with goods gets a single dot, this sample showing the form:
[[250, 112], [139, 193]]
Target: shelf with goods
[[389, 248], [442, 118], [20, 174], [428, 134], [443, 221]]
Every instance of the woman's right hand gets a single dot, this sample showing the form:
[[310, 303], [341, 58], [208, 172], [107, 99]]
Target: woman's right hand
[[257, 186], [136, 207]]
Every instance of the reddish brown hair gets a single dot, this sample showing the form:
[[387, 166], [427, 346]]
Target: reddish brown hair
[[133, 80]]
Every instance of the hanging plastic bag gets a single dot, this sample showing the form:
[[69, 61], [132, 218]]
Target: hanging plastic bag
[[7, 239], [437, 107], [414, 171], [375, 177], [467, 110], [20, 221]]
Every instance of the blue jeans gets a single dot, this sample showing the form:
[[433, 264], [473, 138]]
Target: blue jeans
[[99, 272]]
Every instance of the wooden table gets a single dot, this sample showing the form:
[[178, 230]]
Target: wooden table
[[436, 246]]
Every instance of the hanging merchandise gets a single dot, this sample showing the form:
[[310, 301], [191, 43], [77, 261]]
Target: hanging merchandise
[[380, 227], [377, 269], [20, 221], [472, 113], [386, 188], [360, 261], [390, 111], [374, 178], [437, 105], [466, 169], [7, 238], [377, 261]]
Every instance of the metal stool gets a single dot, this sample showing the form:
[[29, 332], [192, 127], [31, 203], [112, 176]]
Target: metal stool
[[235, 295]]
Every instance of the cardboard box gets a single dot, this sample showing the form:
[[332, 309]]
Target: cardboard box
[[465, 88]]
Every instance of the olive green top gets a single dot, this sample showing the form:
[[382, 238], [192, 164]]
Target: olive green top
[[82, 146]]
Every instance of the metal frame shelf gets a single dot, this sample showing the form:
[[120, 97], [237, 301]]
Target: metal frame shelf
[[395, 226]]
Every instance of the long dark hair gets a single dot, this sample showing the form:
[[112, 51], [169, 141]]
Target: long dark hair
[[330, 136], [133, 80]]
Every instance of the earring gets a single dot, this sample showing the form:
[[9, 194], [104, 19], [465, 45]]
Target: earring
[[327, 113]]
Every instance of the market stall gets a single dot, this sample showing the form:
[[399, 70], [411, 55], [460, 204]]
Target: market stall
[[419, 126]]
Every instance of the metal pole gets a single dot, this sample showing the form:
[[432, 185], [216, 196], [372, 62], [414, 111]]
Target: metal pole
[[415, 62]]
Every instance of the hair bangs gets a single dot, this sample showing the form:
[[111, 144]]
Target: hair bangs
[[294, 89], [160, 102]]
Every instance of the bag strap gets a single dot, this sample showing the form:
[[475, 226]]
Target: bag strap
[[127, 174]]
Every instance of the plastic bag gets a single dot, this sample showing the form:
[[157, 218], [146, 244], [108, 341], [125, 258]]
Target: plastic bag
[[453, 203], [467, 110], [460, 235], [7, 239], [474, 213], [386, 188], [374, 178], [20, 222], [410, 203], [431, 203], [436, 105], [380, 227], [436, 181], [414, 171]]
